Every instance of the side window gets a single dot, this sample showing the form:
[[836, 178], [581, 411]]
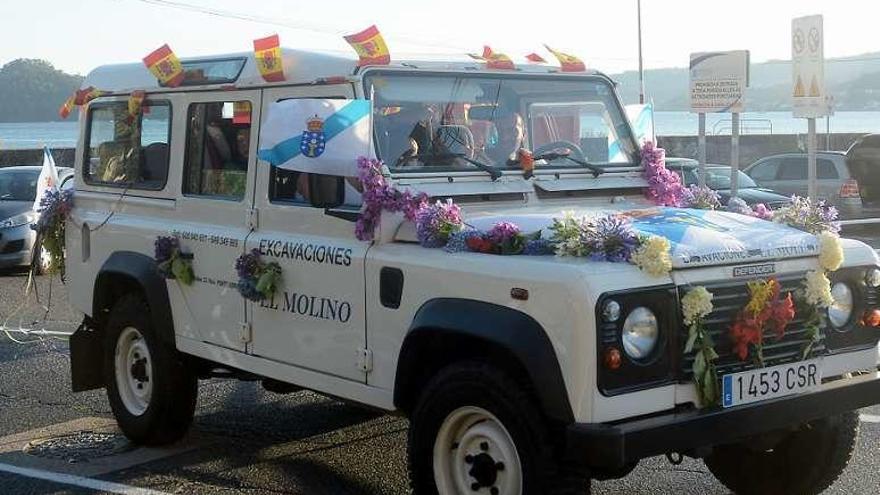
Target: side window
[[793, 169], [128, 151], [825, 169], [765, 171], [217, 149]]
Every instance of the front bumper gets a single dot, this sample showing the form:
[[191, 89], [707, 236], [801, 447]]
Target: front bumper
[[615, 445]]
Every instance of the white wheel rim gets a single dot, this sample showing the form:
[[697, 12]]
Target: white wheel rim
[[134, 371], [475, 454]]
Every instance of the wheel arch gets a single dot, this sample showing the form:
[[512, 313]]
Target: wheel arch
[[448, 330]]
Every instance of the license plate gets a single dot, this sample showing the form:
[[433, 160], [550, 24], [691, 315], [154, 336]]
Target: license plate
[[767, 383]]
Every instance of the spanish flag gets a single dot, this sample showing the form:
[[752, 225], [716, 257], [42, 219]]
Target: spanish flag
[[267, 51], [534, 58], [370, 47], [494, 60], [568, 63], [241, 112], [67, 107], [83, 96], [165, 65]]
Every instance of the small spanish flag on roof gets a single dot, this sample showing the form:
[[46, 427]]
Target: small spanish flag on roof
[[370, 47], [568, 63], [534, 58], [165, 65], [67, 106], [493, 60], [83, 96], [267, 51]]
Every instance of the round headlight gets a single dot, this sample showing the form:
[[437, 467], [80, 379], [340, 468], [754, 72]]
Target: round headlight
[[640, 333], [872, 278], [611, 311], [841, 310]]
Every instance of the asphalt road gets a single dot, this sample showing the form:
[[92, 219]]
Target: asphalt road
[[247, 440]]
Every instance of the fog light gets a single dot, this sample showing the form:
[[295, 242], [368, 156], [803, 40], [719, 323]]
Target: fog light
[[612, 358], [872, 278], [611, 311], [871, 318]]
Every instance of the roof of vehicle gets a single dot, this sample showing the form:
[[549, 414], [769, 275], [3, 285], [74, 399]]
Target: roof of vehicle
[[799, 154], [300, 67], [31, 168]]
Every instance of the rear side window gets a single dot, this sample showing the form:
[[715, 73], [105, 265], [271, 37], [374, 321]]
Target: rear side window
[[764, 171], [126, 151], [825, 169], [217, 149], [793, 169]]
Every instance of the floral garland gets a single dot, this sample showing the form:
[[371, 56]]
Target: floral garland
[[172, 262], [257, 280], [766, 307], [695, 306], [664, 185], [379, 196], [54, 210], [436, 223]]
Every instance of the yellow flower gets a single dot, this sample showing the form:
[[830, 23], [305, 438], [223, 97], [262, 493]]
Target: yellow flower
[[653, 256], [696, 304], [817, 289], [761, 291], [830, 251]]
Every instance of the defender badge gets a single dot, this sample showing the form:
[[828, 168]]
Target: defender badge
[[754, 270], [313, 140]]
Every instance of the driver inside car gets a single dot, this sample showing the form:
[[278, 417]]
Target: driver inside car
[[511, 137]]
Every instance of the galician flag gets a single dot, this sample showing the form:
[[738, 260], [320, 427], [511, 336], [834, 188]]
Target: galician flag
[[316, 135], [48, 180]]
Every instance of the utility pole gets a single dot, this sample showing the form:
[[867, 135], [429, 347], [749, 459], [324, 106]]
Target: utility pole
[[641, 67]]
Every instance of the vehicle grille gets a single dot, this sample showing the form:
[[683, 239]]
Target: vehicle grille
[[729, 298]]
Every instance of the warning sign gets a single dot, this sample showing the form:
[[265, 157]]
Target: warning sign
[[718, 81], [808, 67]]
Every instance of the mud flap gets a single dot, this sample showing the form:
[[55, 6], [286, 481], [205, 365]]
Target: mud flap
[[86, 358]]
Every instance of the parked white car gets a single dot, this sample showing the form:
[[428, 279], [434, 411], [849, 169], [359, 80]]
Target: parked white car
[[519, 374]]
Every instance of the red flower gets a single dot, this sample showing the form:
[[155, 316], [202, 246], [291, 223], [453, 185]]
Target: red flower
[[479, 244], [783, 313], [745, 331]]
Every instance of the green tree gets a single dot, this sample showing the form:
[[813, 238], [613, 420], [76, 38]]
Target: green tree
[[33, 90]]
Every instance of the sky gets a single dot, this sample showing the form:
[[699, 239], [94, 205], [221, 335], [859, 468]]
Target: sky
[[78, 35]]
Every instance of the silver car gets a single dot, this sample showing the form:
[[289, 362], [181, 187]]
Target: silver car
[[18, 190]]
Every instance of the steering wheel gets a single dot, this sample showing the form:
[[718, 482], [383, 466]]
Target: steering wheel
[[576, 151]]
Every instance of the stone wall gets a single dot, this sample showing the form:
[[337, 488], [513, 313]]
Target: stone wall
[[751, 147], [64, 157]]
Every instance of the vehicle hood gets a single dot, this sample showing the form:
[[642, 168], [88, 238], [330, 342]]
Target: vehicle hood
[[12, 208], [696, 237], [754, 195]]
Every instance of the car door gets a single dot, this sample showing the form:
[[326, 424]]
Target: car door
[[216, 197], [792, 176], [828, 179], [317, 318], [764, 172]]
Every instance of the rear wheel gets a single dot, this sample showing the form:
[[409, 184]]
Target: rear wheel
[[477, 431], [151, 392], [804, 462]]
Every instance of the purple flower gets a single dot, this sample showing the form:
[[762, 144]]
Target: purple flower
[[538, 247], [248, 264], [458, 240], [810, 217], [435, 223], [664, 186], [612, 238], [502, 232], [164, 248], [761, 211], [701, 197], [379, 196], [737, 205]]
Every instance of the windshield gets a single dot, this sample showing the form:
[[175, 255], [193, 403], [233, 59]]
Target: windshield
[[427, 123], [718, 178], [18, 185]]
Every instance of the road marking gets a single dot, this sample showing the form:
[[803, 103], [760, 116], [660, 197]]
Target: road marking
[[869, 418], [69, 479]]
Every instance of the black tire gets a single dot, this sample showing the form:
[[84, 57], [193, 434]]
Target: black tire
[[804, 462], [169, 411], [483, 386]]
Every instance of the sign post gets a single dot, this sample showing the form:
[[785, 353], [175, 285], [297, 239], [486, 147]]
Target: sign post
[[717, 84], [808, 82]]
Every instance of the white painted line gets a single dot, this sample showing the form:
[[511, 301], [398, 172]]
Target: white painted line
[[869, 418], [69, 479]]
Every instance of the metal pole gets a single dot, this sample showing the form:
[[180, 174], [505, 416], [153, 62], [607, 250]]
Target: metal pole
[[701, 148], [828, 133], [641, 66], [734, 154], [813, 189]]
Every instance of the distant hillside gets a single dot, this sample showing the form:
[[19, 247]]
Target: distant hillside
[[33, 90], [853, 81]]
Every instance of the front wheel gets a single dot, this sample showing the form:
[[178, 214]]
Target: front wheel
[[803, 462], [151, 392], [477, 431]]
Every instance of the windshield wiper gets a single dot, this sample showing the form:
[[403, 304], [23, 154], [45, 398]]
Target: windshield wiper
[[489, 169], [553, 155]]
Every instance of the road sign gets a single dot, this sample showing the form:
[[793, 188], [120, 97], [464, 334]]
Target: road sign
[[808, 67], [718, 81]]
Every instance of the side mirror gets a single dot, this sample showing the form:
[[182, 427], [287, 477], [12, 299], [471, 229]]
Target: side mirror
[[326, 191]]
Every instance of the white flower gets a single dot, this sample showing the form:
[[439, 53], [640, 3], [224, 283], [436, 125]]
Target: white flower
[[830, 251], [696, 304], [653, 256], [817, 289]]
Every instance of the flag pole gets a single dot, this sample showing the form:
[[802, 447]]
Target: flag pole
[[641, 66]]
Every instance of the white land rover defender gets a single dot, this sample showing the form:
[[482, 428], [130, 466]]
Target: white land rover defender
[[519, 374]]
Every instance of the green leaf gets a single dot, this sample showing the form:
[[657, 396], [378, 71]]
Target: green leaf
[[692, 338], [699, 364], [182, 271]]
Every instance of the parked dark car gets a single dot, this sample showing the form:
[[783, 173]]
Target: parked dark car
[[718, 178], [18, 190]]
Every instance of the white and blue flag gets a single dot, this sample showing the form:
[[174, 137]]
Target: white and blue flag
[[641, 117], [316, 135]]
